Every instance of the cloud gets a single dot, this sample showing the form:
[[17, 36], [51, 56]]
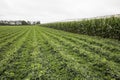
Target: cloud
[[54, 10]]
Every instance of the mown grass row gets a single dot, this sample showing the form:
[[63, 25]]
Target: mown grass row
[[8, 54], [102, 50], [103, 27], [39, 53], [84, 53]]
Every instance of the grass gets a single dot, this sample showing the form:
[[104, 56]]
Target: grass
[[39, 53]]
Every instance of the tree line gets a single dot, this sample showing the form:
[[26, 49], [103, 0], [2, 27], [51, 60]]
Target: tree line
[[19, 22]]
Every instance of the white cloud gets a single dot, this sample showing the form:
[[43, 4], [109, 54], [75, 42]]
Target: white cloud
[[54, 10]]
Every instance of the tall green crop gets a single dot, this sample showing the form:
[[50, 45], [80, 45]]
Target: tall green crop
[[104, 27]]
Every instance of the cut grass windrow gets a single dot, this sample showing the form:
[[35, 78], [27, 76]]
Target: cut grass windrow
[[39, 53]]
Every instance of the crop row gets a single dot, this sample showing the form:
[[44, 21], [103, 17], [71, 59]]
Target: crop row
[[39, 53]]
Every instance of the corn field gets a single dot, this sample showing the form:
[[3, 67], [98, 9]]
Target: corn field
[[103, 27]]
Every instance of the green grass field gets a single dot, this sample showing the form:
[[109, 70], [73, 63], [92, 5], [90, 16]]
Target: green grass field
[[39, 53]]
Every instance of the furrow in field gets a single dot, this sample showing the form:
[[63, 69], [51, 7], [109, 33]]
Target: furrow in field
[[61, 62], [49, 59], [38, 53], [89, 40], [10, 48], [6, 45], [28, 61], [77, 66], [11, 55], [101, 51], [4, 29], [97, 39], [19, 65], [8, 37], [93, 40], [94, 57], [9, 32], [92, 48], [35, 59]]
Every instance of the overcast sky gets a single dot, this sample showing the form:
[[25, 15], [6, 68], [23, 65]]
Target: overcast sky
[[56, 10]]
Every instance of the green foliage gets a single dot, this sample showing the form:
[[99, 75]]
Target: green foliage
[[39, 53], [104, 27]]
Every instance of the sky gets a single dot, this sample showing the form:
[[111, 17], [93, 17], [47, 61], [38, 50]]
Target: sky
[[56, 10]]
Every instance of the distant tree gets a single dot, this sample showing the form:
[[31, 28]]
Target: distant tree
[[24, 23], [28, 22], [38, 22], [34, 23], [20, 22]]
